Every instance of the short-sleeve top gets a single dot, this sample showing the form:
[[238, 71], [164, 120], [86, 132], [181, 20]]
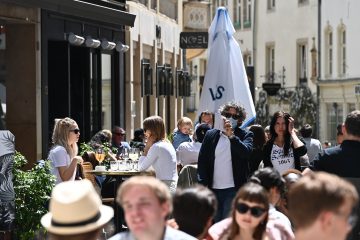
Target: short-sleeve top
[[59, 158]]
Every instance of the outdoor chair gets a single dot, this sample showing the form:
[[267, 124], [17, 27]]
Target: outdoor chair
[[87, 167], [187, 176]]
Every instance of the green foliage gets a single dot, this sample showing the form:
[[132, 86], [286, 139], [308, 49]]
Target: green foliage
[[84, 147], [32, 193], [301, 101], [106, 147], [170, 137]]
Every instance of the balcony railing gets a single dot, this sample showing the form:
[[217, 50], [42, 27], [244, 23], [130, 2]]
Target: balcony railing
[[247, 24]]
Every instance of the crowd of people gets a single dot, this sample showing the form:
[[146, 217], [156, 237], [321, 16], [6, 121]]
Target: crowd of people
[[270, 182]]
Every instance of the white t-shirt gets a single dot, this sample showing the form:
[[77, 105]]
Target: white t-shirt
[[223, 171], [162, 157], [188, 153], [59, 158], [280, 162]]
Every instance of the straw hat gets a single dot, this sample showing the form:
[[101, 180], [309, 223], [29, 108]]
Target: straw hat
[[75, 208]]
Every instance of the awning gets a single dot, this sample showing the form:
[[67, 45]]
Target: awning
[[80, 9], [192, 53]]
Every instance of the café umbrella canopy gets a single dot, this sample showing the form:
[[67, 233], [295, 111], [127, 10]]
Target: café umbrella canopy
[[225, 77]]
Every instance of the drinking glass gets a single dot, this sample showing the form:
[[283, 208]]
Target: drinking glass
[[126, 160], [100, 155], [114, 165], [134, 156]]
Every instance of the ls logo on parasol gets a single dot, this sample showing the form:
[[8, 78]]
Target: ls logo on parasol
[[219, 93]]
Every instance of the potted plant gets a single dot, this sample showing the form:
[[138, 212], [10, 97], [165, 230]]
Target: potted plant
[[32, 194]]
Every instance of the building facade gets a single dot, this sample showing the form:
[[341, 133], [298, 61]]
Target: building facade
[[59, 59], [339, 81], [153, 62]]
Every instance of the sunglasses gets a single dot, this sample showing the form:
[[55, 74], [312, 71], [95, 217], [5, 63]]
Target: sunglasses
[[76, 131], [118, 134], [229, 115], [243, 208]]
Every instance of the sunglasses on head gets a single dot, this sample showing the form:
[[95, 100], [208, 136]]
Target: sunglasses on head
[[229, 115], [254, 211], [76, 131]]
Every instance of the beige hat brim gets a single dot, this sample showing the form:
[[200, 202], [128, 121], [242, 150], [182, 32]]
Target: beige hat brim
[[106, 213]]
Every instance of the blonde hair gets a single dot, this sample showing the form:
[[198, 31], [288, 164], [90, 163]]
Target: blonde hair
[[157, 127], [61, 133], [184, 121]]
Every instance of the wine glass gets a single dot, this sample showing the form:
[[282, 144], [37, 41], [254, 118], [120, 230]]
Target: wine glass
[[100, 155], [134, 156], [125, 157]]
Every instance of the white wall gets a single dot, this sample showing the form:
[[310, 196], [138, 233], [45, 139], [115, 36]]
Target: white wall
[[284, 26], [345, 11], [145, 23]]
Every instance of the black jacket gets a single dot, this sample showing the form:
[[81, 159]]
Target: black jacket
[[241, 146], [342, 160]]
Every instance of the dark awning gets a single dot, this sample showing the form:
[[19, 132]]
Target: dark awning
[[81, 9]]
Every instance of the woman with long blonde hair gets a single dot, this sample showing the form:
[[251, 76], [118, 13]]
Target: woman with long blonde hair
[[63, 155], [158, 152]]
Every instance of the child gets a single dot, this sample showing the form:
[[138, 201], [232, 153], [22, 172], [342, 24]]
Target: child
[[183, 132]]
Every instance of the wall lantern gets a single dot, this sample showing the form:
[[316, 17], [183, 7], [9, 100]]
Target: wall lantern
[[107, 45], [75, 39], [120, 47], [183, 83], [92, 43], [146, 78], [164, 80]]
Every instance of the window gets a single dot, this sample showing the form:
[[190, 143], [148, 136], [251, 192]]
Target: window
[[169, 8], [154, 4], [334, 117], [247, 59], [302, 63], [270, 4], [328, 52], [247, 13], [351, 107], [270, 63], [303, 2], [342, 51], [145, 2], [237, 13], [221, 3], [106, 91]]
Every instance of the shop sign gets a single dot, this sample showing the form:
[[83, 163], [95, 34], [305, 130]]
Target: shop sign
[[194, 40]]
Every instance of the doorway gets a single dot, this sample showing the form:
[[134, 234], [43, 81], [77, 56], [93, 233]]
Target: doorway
[[80, 86]]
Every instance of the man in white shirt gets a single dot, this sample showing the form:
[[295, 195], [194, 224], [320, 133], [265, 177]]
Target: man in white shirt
[[223, 157]]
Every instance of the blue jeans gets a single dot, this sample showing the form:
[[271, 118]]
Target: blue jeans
[[224, 198]]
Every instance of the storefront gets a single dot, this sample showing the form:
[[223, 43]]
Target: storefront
[[62, 58]]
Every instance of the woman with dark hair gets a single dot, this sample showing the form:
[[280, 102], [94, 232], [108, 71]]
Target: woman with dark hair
[[278, 226], [159, 152], [284, 149], [249, 213]]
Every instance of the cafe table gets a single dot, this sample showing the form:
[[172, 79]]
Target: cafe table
[[120, 176]]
